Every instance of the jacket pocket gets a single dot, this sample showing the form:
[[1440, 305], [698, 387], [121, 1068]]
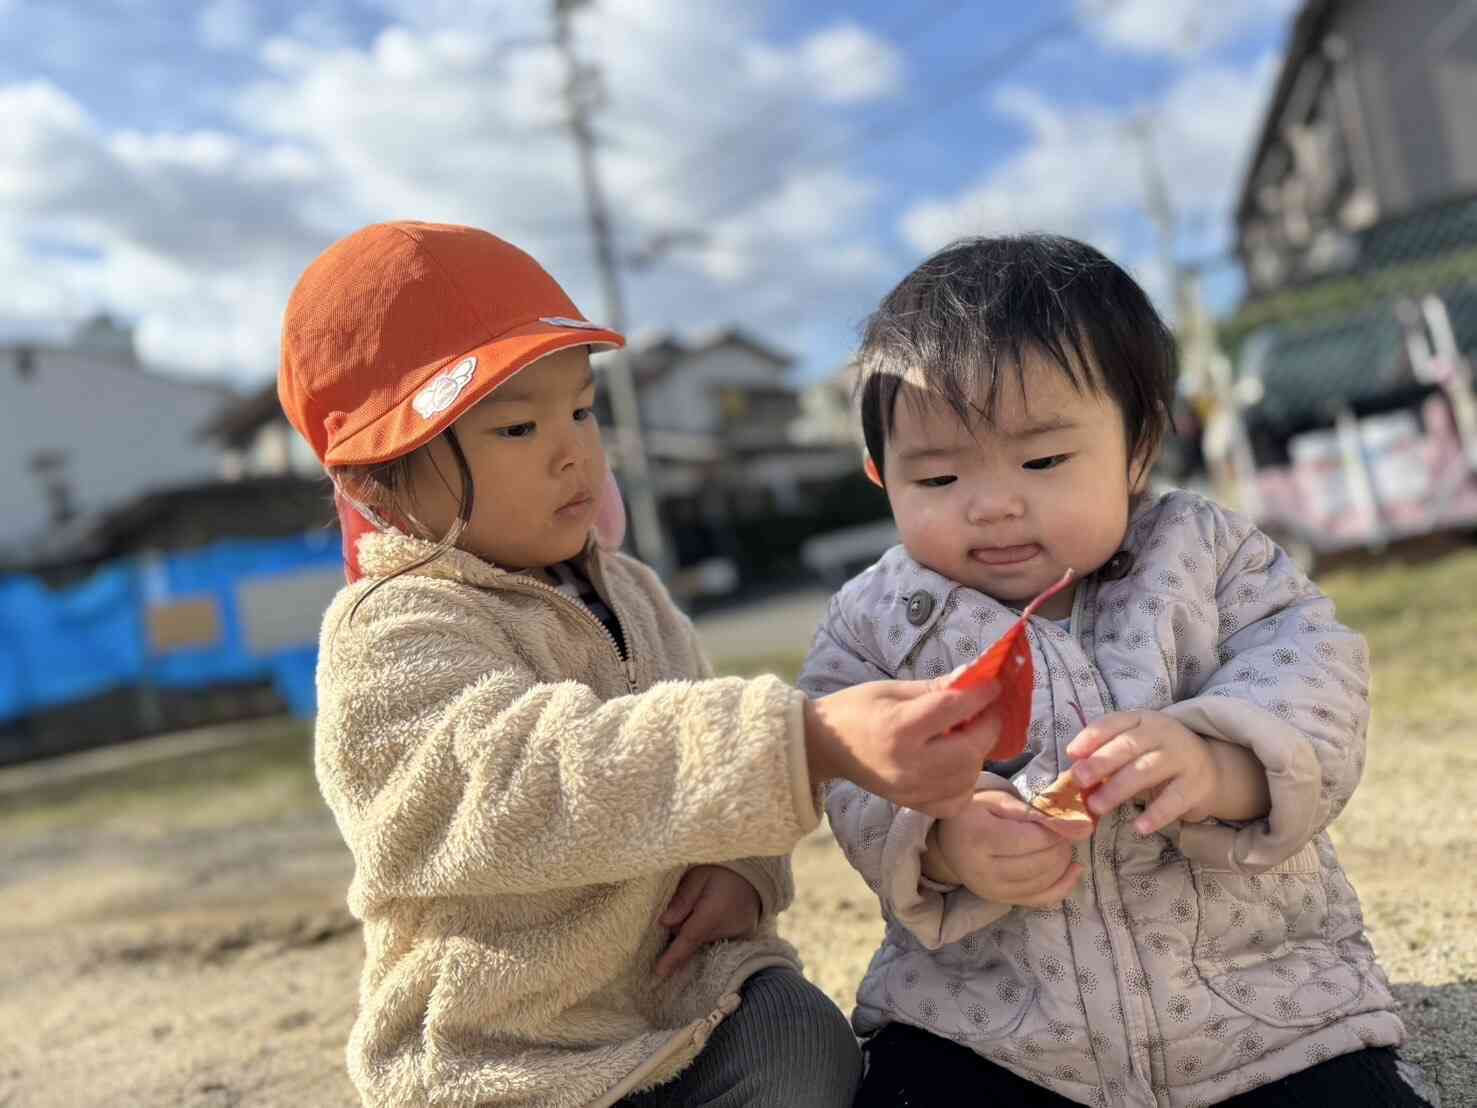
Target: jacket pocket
[[1261, 945]]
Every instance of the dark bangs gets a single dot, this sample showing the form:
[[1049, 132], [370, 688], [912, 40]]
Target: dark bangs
[[975, 310]]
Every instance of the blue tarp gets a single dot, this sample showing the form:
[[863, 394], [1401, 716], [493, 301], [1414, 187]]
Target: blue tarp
[[57, 647], [293, 674], [67, 645]]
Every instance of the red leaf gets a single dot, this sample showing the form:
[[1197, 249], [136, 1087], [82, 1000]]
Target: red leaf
[[1009, 662]]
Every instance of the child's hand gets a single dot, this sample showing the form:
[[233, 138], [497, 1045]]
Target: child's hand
[[711, 903], [1000, 850], [895, 739], [1150, 755]]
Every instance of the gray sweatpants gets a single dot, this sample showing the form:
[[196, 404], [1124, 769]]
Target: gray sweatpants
[[787, 1046]]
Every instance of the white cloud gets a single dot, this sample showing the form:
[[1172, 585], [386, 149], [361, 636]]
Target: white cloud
[[1074, 167], [1178, 27], [454, 123], [451, 113], [226, 25], [191, 235], [1082, 170], [441, 125], [842, 65], [200, 199], [46, 130], [761, 190], [815, 211]]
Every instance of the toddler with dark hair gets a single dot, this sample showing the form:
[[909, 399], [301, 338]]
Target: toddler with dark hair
[[1200, 944]]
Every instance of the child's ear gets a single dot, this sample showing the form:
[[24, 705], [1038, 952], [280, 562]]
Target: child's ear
[[869, 467]]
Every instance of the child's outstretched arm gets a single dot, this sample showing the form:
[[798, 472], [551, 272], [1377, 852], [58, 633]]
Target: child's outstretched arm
[[770, 877], [884, 841], [452, 770]]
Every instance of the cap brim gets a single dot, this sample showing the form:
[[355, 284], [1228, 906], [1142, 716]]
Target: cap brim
[[402, 429]]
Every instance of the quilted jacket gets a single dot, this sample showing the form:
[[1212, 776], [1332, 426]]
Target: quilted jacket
[[1188, 965]]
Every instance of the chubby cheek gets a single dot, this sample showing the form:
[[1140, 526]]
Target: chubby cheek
[[926, 527], [1091, 538]]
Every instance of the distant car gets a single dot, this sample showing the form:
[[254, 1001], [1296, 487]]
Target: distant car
[[837, 555]]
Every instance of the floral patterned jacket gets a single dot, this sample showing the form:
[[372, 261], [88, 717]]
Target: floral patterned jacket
[[1188, 965]]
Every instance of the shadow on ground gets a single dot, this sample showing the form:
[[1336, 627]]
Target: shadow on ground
[[1442, 1021]]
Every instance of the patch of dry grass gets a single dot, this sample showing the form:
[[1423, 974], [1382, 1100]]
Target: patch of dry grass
[[1421, 622], [1408, 837], [263, 780]]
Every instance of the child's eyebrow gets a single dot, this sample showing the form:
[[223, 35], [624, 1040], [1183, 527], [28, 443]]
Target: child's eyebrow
[[1024, 431], [920, 453], [1043, 427]]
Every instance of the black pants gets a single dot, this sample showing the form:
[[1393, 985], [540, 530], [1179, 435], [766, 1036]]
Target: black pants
[[788, 1046], [909, 1068]]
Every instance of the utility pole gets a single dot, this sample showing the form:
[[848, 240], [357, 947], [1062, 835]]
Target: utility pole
[[1161, 210], [1206, 372], [625, 408]]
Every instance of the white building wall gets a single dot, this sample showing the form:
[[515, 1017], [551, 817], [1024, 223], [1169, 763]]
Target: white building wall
[[124, 431], [277, 450], [685, 398]]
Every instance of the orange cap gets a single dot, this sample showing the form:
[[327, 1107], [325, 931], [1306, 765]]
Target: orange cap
[[395, 331]]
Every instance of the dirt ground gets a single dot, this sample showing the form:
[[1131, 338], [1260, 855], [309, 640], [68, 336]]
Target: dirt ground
[[173, 933], [176, 952]]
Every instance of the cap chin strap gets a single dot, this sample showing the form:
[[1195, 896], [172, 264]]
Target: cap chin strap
[[355, 520], [610, 515]]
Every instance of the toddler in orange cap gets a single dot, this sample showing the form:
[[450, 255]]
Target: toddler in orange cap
[[570, 839]]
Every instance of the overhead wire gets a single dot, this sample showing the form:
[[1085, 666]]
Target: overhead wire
[[992, 68]]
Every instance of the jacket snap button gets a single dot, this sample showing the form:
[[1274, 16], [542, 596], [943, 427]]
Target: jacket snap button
[[1117, 567], [920, 607]]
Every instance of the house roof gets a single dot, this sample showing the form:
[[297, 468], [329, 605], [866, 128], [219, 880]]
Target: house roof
[[1422, 233], [655, 356], [240, 418], [118, 530], [1308, 373], [1336, 339], [1307, 34], [1432, 249]]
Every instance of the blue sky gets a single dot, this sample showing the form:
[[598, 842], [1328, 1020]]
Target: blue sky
[[178, 164]]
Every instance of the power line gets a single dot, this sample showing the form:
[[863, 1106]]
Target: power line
[[625, 405], [907, 30], [912, 28], [995, 66], [989, 70]]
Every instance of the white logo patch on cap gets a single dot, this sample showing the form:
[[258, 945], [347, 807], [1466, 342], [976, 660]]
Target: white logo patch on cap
[[436, 397], [565, 321]]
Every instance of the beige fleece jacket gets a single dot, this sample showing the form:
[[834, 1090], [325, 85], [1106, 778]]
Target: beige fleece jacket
[[520, 804]]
